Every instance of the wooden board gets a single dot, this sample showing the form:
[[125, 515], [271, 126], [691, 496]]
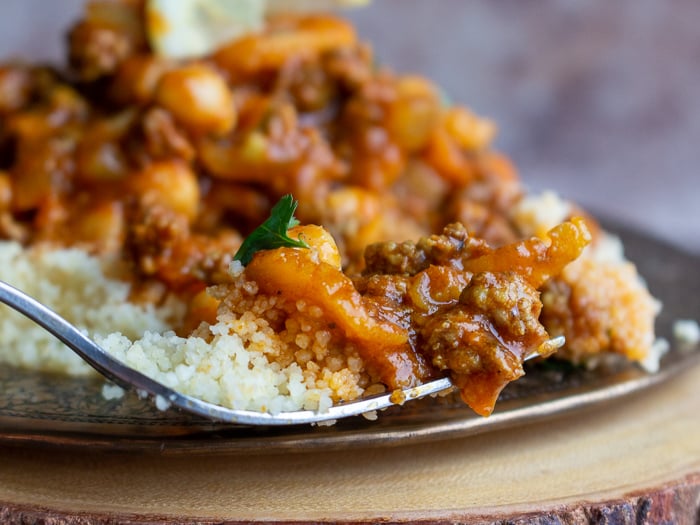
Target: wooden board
[[634, 461]]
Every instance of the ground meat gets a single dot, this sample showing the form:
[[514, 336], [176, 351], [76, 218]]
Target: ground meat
[[96, 51], [388, 295], [512, 304], [350, 67], [161, 138], [163, 246], [483, 340], [152, 230], [410, 257], [108, 34]]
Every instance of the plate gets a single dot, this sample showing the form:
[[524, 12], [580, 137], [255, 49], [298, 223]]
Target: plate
[[56, 411]]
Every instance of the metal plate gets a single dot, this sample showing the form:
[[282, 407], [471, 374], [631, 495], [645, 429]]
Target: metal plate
[[51, 410]]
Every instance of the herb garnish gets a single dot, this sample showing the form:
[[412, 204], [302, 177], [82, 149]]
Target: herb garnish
[[272, 233]]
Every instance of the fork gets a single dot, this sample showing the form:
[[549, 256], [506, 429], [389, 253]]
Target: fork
[[165, 397]]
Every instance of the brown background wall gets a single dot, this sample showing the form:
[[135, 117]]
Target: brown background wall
[[599, 100]]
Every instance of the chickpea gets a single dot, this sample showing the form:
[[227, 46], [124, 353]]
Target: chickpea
[[470, 131], [320, 241], [99, 156], [202, 308], [356, 218], [414, 114], [103, 226], [198, 98], [137, 78], [171, 183]]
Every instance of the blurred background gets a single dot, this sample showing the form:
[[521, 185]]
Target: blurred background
[[597, 100]]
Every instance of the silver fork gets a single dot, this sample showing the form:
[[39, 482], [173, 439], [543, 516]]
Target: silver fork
[[127, 377]]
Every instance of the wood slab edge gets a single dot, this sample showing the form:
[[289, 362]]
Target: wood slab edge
[[677, 502]]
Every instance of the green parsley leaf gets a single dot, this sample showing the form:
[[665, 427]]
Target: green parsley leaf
[[272, 233]]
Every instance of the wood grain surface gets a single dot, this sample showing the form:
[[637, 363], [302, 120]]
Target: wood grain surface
[[635, 461]]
